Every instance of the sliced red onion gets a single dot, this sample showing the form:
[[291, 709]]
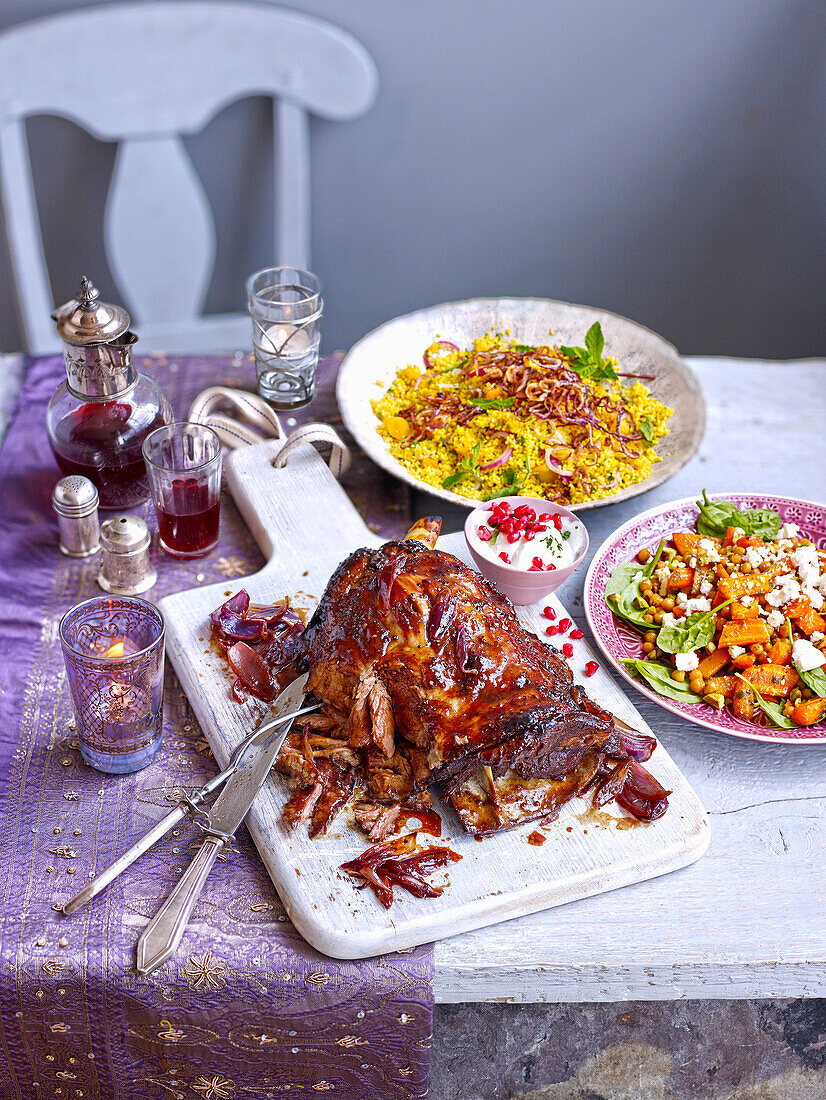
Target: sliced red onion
[[270, 615], [237, 629], [555, 465], [500, 461], [638, 745], [640, 807], [236, 605], [436, 350], [642, 783], [250, 669]]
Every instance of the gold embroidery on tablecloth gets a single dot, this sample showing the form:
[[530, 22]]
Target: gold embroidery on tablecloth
[[205, 971], [216, 1087], [232, 566]]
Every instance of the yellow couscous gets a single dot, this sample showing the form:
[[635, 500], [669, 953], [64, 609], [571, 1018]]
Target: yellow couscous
[[503, 418]]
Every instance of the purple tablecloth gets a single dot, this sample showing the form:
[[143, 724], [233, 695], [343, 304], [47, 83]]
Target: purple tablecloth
[[245, 1008]]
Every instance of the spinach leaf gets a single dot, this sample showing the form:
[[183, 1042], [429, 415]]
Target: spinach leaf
[[624, 583], [815, 680], [658, 678], [488, 403], [588, 361], [465, 468], [771, 710], [717, 515], [646, 429], [692, 633]]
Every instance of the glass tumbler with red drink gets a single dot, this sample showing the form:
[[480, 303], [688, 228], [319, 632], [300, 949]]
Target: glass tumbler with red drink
[[184, 466]]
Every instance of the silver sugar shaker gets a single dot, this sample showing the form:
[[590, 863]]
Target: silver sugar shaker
[[75, 500], [125, 566]]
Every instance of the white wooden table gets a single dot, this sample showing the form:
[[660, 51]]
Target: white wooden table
[[749, 919]]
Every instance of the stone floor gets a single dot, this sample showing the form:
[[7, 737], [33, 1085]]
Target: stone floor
[[683, 1050]]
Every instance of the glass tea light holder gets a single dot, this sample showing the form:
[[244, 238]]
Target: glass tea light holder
[[184, 465], [285, 305], [113, 649]]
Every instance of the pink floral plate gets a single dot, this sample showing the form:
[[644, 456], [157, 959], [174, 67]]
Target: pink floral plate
[[618, 641]]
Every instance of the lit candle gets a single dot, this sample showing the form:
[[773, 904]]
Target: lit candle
[[285, 340]]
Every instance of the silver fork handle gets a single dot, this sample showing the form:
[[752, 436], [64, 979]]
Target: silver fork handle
[[162, 936]]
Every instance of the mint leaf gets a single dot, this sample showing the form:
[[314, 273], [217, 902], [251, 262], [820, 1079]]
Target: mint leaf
[[492, 402], [646, 429], [588, 361], [465, 468]]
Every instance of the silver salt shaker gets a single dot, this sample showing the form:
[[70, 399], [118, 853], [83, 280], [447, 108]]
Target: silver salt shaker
[[125, 565], [75, 500]]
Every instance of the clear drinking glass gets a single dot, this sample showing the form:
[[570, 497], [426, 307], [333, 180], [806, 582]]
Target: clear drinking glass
[[184, 465], [285, 305], [113, 649]]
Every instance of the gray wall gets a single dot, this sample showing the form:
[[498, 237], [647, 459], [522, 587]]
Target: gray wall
[[661, 158]]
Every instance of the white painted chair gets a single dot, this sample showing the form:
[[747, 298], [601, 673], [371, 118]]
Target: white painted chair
[[149, 73]]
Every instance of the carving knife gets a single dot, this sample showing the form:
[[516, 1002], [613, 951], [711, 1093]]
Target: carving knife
[[163, 934]]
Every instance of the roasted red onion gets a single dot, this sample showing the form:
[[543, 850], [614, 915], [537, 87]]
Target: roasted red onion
[[637, 745], [442, 614], [436, 351], [250, 669]]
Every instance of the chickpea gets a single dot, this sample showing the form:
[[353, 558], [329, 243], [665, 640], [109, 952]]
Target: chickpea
[[643, 556], [651, 636], [759, 650], [697, 684], [649, 616], [667, 604], [719, 622], [647, 647], [678, 675], [808, 694], [795, 696], [658, 617]]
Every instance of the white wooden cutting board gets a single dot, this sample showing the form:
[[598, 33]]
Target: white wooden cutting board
[[306, 525]]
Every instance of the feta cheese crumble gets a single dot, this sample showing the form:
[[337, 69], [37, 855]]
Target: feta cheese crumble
[[808, 564], [806, 656], [687, 662], [775, 619], [736, 650]]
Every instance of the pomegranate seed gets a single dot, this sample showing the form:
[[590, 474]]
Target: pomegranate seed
[[546, 517], [548, 611], [591, 668], [505, 557], [557, 521], [529, 536], [551, 630], [522, 510], [540, 528], [484, 533], [537, 562], [512, 538], [576, 635], [565, 624], [550, 567], [568, 649], [504, 507], [534, 568]]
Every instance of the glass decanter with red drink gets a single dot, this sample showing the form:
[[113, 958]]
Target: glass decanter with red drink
[[99, 417]]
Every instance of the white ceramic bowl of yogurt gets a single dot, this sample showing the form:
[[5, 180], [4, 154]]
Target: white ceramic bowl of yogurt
[[525, 546]]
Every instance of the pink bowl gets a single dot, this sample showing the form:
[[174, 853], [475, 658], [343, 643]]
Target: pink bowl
[[520, 585]]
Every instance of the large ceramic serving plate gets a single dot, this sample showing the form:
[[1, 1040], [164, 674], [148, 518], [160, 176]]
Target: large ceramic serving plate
[[306, 525], [617, 640], [372, 363]]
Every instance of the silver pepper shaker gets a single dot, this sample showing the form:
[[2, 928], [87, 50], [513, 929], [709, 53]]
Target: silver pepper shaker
[[125, 565], [75, 500]]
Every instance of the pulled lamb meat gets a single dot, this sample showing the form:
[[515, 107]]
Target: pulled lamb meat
[[425, 675]]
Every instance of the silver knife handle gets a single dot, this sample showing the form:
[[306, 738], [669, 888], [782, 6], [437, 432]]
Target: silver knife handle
[[163, 934]]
